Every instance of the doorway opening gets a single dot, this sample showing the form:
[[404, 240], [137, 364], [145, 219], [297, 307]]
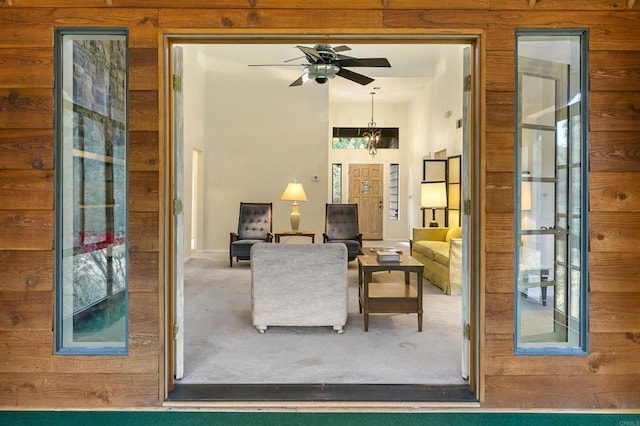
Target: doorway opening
[[295, 144]]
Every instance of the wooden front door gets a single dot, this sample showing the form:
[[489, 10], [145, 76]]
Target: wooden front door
[[365, 190]]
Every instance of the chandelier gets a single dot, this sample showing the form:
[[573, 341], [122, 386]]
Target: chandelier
[[372, 134]]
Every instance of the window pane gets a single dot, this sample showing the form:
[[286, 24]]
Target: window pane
[[549, 282], [336, 183], [91, 201], [353, 138], [394, 179]]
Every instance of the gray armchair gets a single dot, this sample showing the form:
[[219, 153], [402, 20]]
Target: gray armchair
[[254, 226], [341, 226]]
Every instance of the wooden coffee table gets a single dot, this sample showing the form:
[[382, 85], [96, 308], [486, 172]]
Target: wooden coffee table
[[309, 234], [377, 297]]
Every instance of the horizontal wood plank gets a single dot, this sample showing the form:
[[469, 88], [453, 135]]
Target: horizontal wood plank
[[20, 310], [616, 343], [40, 22], [26, 230], [499, 317], [612, 37], [26, 270], [499, 276], [559, 5], [144, 272], [614, 70], [500, 113], [501, 38], [26, 108], [86, 390], [143, 110], [500, 152], [425, 17], [499, 233], [499, 192], [500, 66], [615, 272], [28, 352], [143, 191], [558, 391], [614, 192], [614, 151], [614, 232], [20, 188], [615, 111], [26, 149], [144, 314], [610, 354], [264, 18], [144, 152], [144, 231], [614, 312], [26, 67], [143, 69], [262, 4]]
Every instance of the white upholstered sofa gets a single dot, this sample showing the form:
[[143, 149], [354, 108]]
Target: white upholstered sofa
[[299, 285], [440, 251]]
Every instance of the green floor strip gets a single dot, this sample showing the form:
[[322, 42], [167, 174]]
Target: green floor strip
[[197, 418]]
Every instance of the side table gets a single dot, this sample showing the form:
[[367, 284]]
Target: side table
[[309, 234], [389, 297]]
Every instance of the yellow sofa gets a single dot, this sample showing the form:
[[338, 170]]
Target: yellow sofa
[[440, 251]]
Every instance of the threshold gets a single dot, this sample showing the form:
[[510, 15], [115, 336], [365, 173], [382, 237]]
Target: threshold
[[396, 393]]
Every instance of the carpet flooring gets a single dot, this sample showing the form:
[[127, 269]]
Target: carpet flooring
[[222, 346]]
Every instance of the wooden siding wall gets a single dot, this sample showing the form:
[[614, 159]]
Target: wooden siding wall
[[31, 376]]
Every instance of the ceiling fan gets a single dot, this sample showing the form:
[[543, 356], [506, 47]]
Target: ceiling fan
[[325, 63]]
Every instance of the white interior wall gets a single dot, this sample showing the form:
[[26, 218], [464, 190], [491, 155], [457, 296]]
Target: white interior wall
[[385, 115], [443, 95], [441, 108], [259, 137], [256, 137], [418, 109], [194, 119]]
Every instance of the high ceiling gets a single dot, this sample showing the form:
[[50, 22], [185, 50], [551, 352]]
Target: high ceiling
[[411, 67]]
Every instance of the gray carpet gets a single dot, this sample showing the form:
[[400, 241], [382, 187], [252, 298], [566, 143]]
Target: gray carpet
[[222, 346]]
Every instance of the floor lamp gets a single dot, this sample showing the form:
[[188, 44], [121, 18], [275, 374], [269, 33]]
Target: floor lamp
[[294, 192], [433, 195]]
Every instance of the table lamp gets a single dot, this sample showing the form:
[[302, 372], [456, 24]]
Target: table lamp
[[433, 195], [294, 192]]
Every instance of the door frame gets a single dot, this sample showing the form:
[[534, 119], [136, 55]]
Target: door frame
[[473, 38]]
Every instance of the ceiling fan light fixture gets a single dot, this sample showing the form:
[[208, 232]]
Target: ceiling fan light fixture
[[321, 73], [325, 63]]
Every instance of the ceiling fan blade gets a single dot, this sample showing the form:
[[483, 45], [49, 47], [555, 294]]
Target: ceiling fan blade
[[278, 65], [341, 48], [295, 59], [354, 76], [311, 53], [301, 80], [363, 62]]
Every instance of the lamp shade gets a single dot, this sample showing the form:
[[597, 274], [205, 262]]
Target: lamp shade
[[433, 195], [294, 192]]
